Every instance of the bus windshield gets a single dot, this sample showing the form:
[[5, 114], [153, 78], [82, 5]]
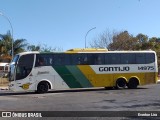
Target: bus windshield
[[24, 66]]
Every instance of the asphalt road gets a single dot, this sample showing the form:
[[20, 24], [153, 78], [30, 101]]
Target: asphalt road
[[145, 98]]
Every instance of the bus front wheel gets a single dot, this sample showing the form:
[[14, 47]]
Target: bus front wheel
[[42, 87]]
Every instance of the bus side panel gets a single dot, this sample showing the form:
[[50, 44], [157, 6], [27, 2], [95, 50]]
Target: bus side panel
[[150, 78]]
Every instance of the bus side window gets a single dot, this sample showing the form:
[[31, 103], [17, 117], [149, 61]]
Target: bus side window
[[79, 59], [96, 59], [100, 59], [59, 59], [44, 60], [40, 61], [128, 58], [50, 61], [150, 58], [140, 58], [85, 60], [107, 60], [114, 58]]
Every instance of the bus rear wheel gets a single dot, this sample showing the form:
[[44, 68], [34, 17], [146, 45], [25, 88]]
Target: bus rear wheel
[[42, 87], [133, 83], [121, 83]]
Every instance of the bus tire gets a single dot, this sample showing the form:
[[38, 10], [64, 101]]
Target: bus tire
[[121, 83], [42, 87], [133, 83]]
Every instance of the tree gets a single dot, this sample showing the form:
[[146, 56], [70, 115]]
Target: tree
[[123, 41], [6, 44], [103, 39], [154, 44], [19, 45], [42, 48], [33, 47], [143, 42], [115, 41]]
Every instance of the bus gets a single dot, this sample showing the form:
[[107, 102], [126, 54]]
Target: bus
[[82, 68]]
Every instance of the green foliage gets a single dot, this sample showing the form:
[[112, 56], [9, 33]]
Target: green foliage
[[123, 41], [33, 48], [42, 48], [6, 44]]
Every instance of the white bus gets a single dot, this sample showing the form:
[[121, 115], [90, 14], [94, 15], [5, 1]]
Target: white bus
[[82, 68]]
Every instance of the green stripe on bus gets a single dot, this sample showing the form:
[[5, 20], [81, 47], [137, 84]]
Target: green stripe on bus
[[79, 76], [67, 77]]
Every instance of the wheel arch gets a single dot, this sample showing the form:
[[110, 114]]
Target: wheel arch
[[45, 80]]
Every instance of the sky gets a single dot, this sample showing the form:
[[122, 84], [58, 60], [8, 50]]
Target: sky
[[65, 23]]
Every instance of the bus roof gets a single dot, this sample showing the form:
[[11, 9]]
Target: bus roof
[[87, 50], [30, 52], [94, 50]]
